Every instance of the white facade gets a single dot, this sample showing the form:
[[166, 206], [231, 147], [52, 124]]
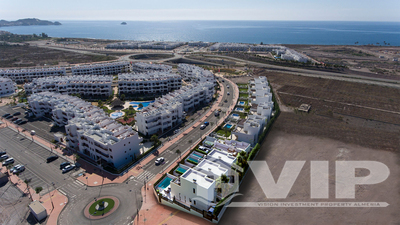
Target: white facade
[[88, 129], [27, 75], [162, 45], [90, 85], [146, 67], [167, 111], [148, 83], [199, 44], [102, 68], [195, 73], [7, 86], [230, 47]]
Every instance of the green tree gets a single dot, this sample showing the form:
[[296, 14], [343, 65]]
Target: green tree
[[126, 118], [140, 105], [224, 178], [100, 103], [155, 140], [178, 152], [122, 97], [38, 190], [76, 157]]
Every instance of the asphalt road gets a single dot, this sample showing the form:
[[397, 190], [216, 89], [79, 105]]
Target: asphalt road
[[150, 169], [34, 156]]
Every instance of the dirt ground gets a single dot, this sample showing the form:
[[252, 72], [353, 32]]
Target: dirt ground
[[13, 206], [280, 147], [26, 56]]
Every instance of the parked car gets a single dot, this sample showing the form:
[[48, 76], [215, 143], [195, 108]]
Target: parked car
[[18, 121], [202, 127], [5, 156], [159, 160], [7, 114], [64, 164], [223, 80], [228, 93], [22, 122], [3, 153], [51, 158], [17, 113], [216, 113], [68, 168], [33, 132], [14, 119], [225, 100], [227, 86], [8, 161], [206, 123], [18, 168]]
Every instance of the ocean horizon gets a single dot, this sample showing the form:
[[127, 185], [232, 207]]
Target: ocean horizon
[[255, 32]]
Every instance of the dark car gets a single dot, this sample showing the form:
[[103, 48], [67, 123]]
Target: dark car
[[206, 123], [52, 158], [22, 122], [8, 117], [18, 121], [7, 114], [64, 164], [3, 153], [17, 113], [14, 119]]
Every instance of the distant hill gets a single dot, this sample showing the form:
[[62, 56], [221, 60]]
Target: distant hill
[[27, 22]]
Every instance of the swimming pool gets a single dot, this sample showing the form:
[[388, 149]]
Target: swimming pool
[[165, 183], [194, 160], [181, 170], [239, 109], [234, 114], [136, 104], [116, 115], [241, 103], [197, 155], [229, 126]]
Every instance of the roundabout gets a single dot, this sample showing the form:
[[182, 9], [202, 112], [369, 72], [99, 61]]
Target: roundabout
[[101, 207]]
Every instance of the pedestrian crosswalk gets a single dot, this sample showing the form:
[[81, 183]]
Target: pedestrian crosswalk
[[145, 176], [71, 188]]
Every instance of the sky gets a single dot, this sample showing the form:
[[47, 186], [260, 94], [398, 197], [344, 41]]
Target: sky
[[156, 10]]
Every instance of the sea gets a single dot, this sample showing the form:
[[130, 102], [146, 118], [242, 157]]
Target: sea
[[267, 32]]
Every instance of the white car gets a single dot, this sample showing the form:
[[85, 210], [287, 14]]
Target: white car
[[18, 168], [68, 168], [4, 157], [159, 160], [8, 161]]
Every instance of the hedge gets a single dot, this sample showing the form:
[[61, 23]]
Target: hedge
[[253, 152], [191, 161], [201, 151]]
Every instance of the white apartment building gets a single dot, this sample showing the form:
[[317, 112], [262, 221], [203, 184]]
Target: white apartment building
[[148, 83], [198, 44], [195, 73], [292, 55], [88, 86], [7, 86], [234, 47], [102, 68], [167, 111], [89, 130], [147, 67], [162, 45], [27, 75]]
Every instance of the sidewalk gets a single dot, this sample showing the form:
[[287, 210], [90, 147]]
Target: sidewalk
[[48, 200], [161, 214]]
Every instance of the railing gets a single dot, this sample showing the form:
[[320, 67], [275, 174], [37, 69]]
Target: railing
[[182, 205]]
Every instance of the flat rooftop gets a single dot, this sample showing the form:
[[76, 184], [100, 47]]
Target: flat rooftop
[[201, 178]]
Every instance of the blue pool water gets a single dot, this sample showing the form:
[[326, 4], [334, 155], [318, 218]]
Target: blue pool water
[[241, 103], [181, 170], [116, 115], [239, 109], [136, 104], [234, 114], [195, 160], [165, 183], [229, 126], [197, 155]]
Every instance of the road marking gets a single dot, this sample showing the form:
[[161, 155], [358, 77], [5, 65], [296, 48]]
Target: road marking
[[169, 217], [79, 182], [62, 192]]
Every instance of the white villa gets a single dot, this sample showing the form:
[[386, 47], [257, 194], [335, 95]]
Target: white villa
[[102, 68], [148, 83], [27, 75], [89, 131], [90, 85], [7, 86]]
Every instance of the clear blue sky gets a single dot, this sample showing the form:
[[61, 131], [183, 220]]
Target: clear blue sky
[[331, 10]]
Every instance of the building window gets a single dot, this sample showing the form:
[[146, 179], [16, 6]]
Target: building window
[[194, 202], [125, 151], [124, 144], [190, 200], [194, 190]]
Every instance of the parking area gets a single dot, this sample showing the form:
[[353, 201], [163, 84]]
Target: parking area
[[33, 156], [42, 126]]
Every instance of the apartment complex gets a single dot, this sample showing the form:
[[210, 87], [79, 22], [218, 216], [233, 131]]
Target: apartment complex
[[148, 83], [27, 75], [88, 86], [262, 105], [228, 47], [195, 73], [112, 68], [7, 86], [160, 45], [146, 67], [89, 130], [198, 44], [167, 111]]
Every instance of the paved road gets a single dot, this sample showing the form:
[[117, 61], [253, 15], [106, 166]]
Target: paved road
[[33, 156], [150, 169]]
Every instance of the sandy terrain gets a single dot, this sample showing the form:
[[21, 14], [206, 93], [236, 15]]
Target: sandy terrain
[[280, 147]]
